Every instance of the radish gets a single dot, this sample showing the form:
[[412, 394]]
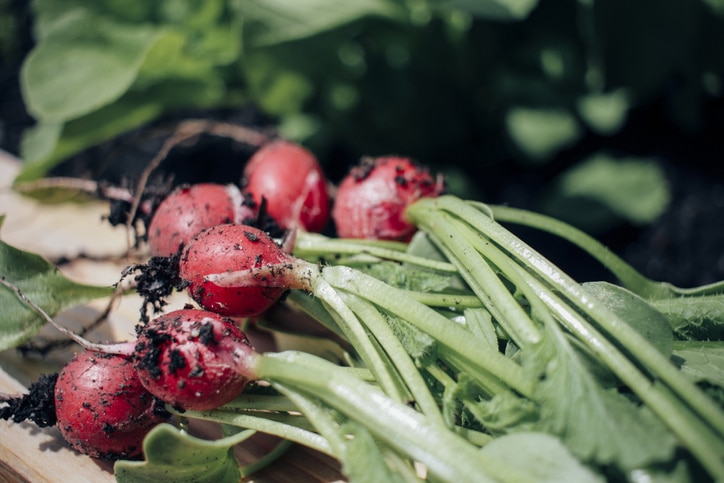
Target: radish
[[102, 408], [189, 359], [292, 182], [230, 247], [372, 198], [189, 209], [97, 402]]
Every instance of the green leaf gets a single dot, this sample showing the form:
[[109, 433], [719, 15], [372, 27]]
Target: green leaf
[[418, 344], [422, 246], [43, 284], [602, 188], [408, 277], [505, 412], [169, 57], [173, 455], [596, 424], [43, 148], [490, 9], [277, 89], [39, 141], [84, 62], [694, 318], [48, 12], [541, 133], [363, 459], [480, 323], [717, 6], [277, 21], [704, 361], [542, 456], [638, 313], [605, 113]]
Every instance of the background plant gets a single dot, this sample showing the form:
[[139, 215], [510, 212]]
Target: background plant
[[575, 108]]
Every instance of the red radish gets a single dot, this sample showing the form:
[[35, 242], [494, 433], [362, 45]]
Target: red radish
[[190, 209], [102, 408], [226, 248], [193, 359], [292, 183], [371, 200]]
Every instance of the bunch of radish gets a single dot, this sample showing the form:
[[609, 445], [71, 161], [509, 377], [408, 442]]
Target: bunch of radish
[[108, 397], [438, 333]]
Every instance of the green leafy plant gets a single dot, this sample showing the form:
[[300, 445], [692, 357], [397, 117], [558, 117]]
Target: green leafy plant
[[173, 454], [521, 75]]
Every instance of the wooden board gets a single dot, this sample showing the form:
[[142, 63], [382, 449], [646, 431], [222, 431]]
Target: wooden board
[[31, 454]]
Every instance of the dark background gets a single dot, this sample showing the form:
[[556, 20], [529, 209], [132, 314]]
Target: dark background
[[684, 246]]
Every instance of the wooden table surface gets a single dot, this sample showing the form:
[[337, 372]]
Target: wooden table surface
[[28, 453]]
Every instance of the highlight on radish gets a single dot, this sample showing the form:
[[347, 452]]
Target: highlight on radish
[[290, 180], [225, 248], [190, 209], [371, 200]]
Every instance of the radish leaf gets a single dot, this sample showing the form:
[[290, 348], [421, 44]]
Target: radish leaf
[[642, 316], [694, 318], [598, 425], [491, 9], [704, 361], [278, 21], [83, 50], [364, 460], [172, 455], [542, 455], [603, 189], [43, 284]]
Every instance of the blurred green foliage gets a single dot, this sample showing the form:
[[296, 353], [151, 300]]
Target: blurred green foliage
[[466, 86]]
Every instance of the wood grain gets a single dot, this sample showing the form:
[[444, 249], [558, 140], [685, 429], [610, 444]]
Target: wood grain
[[31, 454]]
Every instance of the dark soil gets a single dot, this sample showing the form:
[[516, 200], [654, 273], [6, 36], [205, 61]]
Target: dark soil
[[38, 405]]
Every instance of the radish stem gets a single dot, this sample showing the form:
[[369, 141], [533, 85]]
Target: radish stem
[[626, 274], [680, 403], [264, 424], [447, 456], [452, 337]]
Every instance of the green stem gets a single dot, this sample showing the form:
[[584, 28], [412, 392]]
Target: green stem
[[309, 241], [447, 456], [397, 354], [453, 338], [318, 246], [616, 328], [516, 274], [264, 424], [626, 274], [356, 334], [453, 301], [490, 385], [320, 417], [251, 402], [314, 307], [481, 277], [333, 431]]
